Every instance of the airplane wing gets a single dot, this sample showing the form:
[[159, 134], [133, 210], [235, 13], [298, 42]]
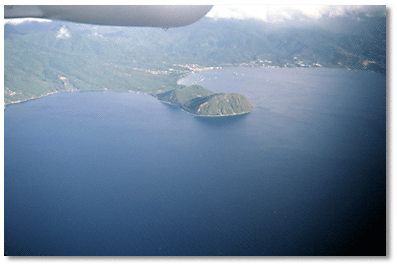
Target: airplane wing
[[164, 16]]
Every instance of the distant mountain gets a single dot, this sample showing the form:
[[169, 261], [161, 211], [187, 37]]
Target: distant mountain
[[39, 56], [9, 30], [347, 43], [30, 26]]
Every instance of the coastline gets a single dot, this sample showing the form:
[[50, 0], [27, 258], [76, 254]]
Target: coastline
[[222, 115], [139, 92], [68, 91], [185, 75], [129, 91], [32, 98]]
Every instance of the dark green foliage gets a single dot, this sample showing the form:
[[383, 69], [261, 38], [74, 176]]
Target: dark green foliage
[[219, 105], [202, 102], [183, 95]]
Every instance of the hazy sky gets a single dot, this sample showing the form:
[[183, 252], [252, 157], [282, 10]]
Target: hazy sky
[[280, 13], [335, 18]]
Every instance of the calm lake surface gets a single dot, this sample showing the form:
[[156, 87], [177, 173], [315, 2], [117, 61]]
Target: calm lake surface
[[109, 173]]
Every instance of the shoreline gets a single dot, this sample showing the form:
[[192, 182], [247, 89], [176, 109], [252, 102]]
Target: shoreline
[[32, 98], [223, 115], [69, 91], [130, 91], [152, 93]]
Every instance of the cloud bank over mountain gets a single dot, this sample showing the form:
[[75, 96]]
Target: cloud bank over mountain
[[283, 13], [347, 19]]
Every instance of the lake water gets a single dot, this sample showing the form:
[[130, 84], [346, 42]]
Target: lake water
[[109, 173]]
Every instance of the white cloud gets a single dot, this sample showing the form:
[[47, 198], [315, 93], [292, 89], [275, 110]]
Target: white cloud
[[274, 13], [96, 34], [281, 12], [234, 12], [15, 21], [342, 10], [63, 33]]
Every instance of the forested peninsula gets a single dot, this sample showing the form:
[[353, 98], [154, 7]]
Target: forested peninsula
[[203, 102]]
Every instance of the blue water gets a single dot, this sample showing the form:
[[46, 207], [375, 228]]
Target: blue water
[[108, 173]]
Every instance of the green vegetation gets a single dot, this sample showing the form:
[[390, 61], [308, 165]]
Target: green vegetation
[[182, 96], [38, 60], [38, 64], [202, 102], [221, 104]]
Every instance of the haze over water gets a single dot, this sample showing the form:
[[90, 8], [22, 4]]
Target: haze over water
[[108, 173]]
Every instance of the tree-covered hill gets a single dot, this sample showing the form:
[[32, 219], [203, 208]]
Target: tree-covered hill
[[220, 104], [45, 57], [182, 96], [202, 102], [212, 42], [62, 59]]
